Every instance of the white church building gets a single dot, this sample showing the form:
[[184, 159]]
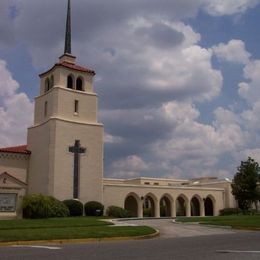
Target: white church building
[[64, 155]]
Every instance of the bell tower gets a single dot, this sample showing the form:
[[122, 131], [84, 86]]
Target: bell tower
[[66, 140]]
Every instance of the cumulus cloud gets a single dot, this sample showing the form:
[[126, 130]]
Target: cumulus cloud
[[198, 146], [112, 139], [16, 110], [225, 116], [139, 74], [249, 90], [228, 7], [8, 85], [251, 117], [174, 141], [233, 51], [128, 167]]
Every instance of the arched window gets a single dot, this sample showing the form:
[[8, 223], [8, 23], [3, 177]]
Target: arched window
[[47, 85], [70, 82], [52, 81], [79, 84]]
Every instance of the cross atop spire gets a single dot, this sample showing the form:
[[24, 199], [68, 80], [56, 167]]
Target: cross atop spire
[[67, 48]]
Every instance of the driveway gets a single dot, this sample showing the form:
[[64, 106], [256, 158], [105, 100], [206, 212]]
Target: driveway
[[170, 229]]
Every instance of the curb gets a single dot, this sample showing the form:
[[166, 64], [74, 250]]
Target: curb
[[77, 241], [203, 224], [247, 228]]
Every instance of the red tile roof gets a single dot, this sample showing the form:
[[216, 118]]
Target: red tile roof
[[16, 149], [71, 66], [75, 67]]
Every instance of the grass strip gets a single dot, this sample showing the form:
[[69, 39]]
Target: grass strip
[[237, 221], [72, 233], [52, 223]]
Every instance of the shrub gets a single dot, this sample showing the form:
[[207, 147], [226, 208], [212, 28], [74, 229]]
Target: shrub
[[117, 212], [230, 211], [93, 208], [40, 206], [75, 207]]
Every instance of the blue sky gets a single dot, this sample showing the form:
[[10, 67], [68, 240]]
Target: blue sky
[[178, 81]]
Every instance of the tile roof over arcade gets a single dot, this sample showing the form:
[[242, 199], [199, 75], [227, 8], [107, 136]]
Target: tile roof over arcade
[[22, 149]]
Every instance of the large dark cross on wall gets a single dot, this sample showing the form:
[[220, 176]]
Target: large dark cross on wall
[[77, 150]]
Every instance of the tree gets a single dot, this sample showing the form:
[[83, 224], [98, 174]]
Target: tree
[[245, 185]]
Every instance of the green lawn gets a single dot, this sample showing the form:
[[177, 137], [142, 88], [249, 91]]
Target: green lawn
[[65, 228], [237, 221], [52, 223]]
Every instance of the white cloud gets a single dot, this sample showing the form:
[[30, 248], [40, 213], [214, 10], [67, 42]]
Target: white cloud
[[233, 51], [8, 85], [188, 71], [228, 7], [16, 111], [178, 71], [128, 167], [180, 112], [112, 139], [195, 147], [251, 117], [250, 89], [225, 117]]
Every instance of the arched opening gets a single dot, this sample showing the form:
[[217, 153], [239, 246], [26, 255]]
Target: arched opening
[[70, 82], [47, 85], [195, 207], [149, 207], [165, 206], [52, 81], [180, 206], [131, 205], [209, 207], [79, 84]]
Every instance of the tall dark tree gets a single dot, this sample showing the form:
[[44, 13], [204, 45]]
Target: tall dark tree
[[245, 185]]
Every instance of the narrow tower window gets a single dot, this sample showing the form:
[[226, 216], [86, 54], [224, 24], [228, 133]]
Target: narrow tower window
[[52, 81], [70, 82], [79, 84], [47, 85], [76, 107], [45, 108]]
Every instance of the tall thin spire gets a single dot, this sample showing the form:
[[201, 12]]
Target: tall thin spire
[[67, 48]]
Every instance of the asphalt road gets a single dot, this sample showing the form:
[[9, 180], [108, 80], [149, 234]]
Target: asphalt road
[[228, 245]]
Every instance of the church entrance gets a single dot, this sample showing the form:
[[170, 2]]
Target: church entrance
[[209, 207], [131, 205]]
